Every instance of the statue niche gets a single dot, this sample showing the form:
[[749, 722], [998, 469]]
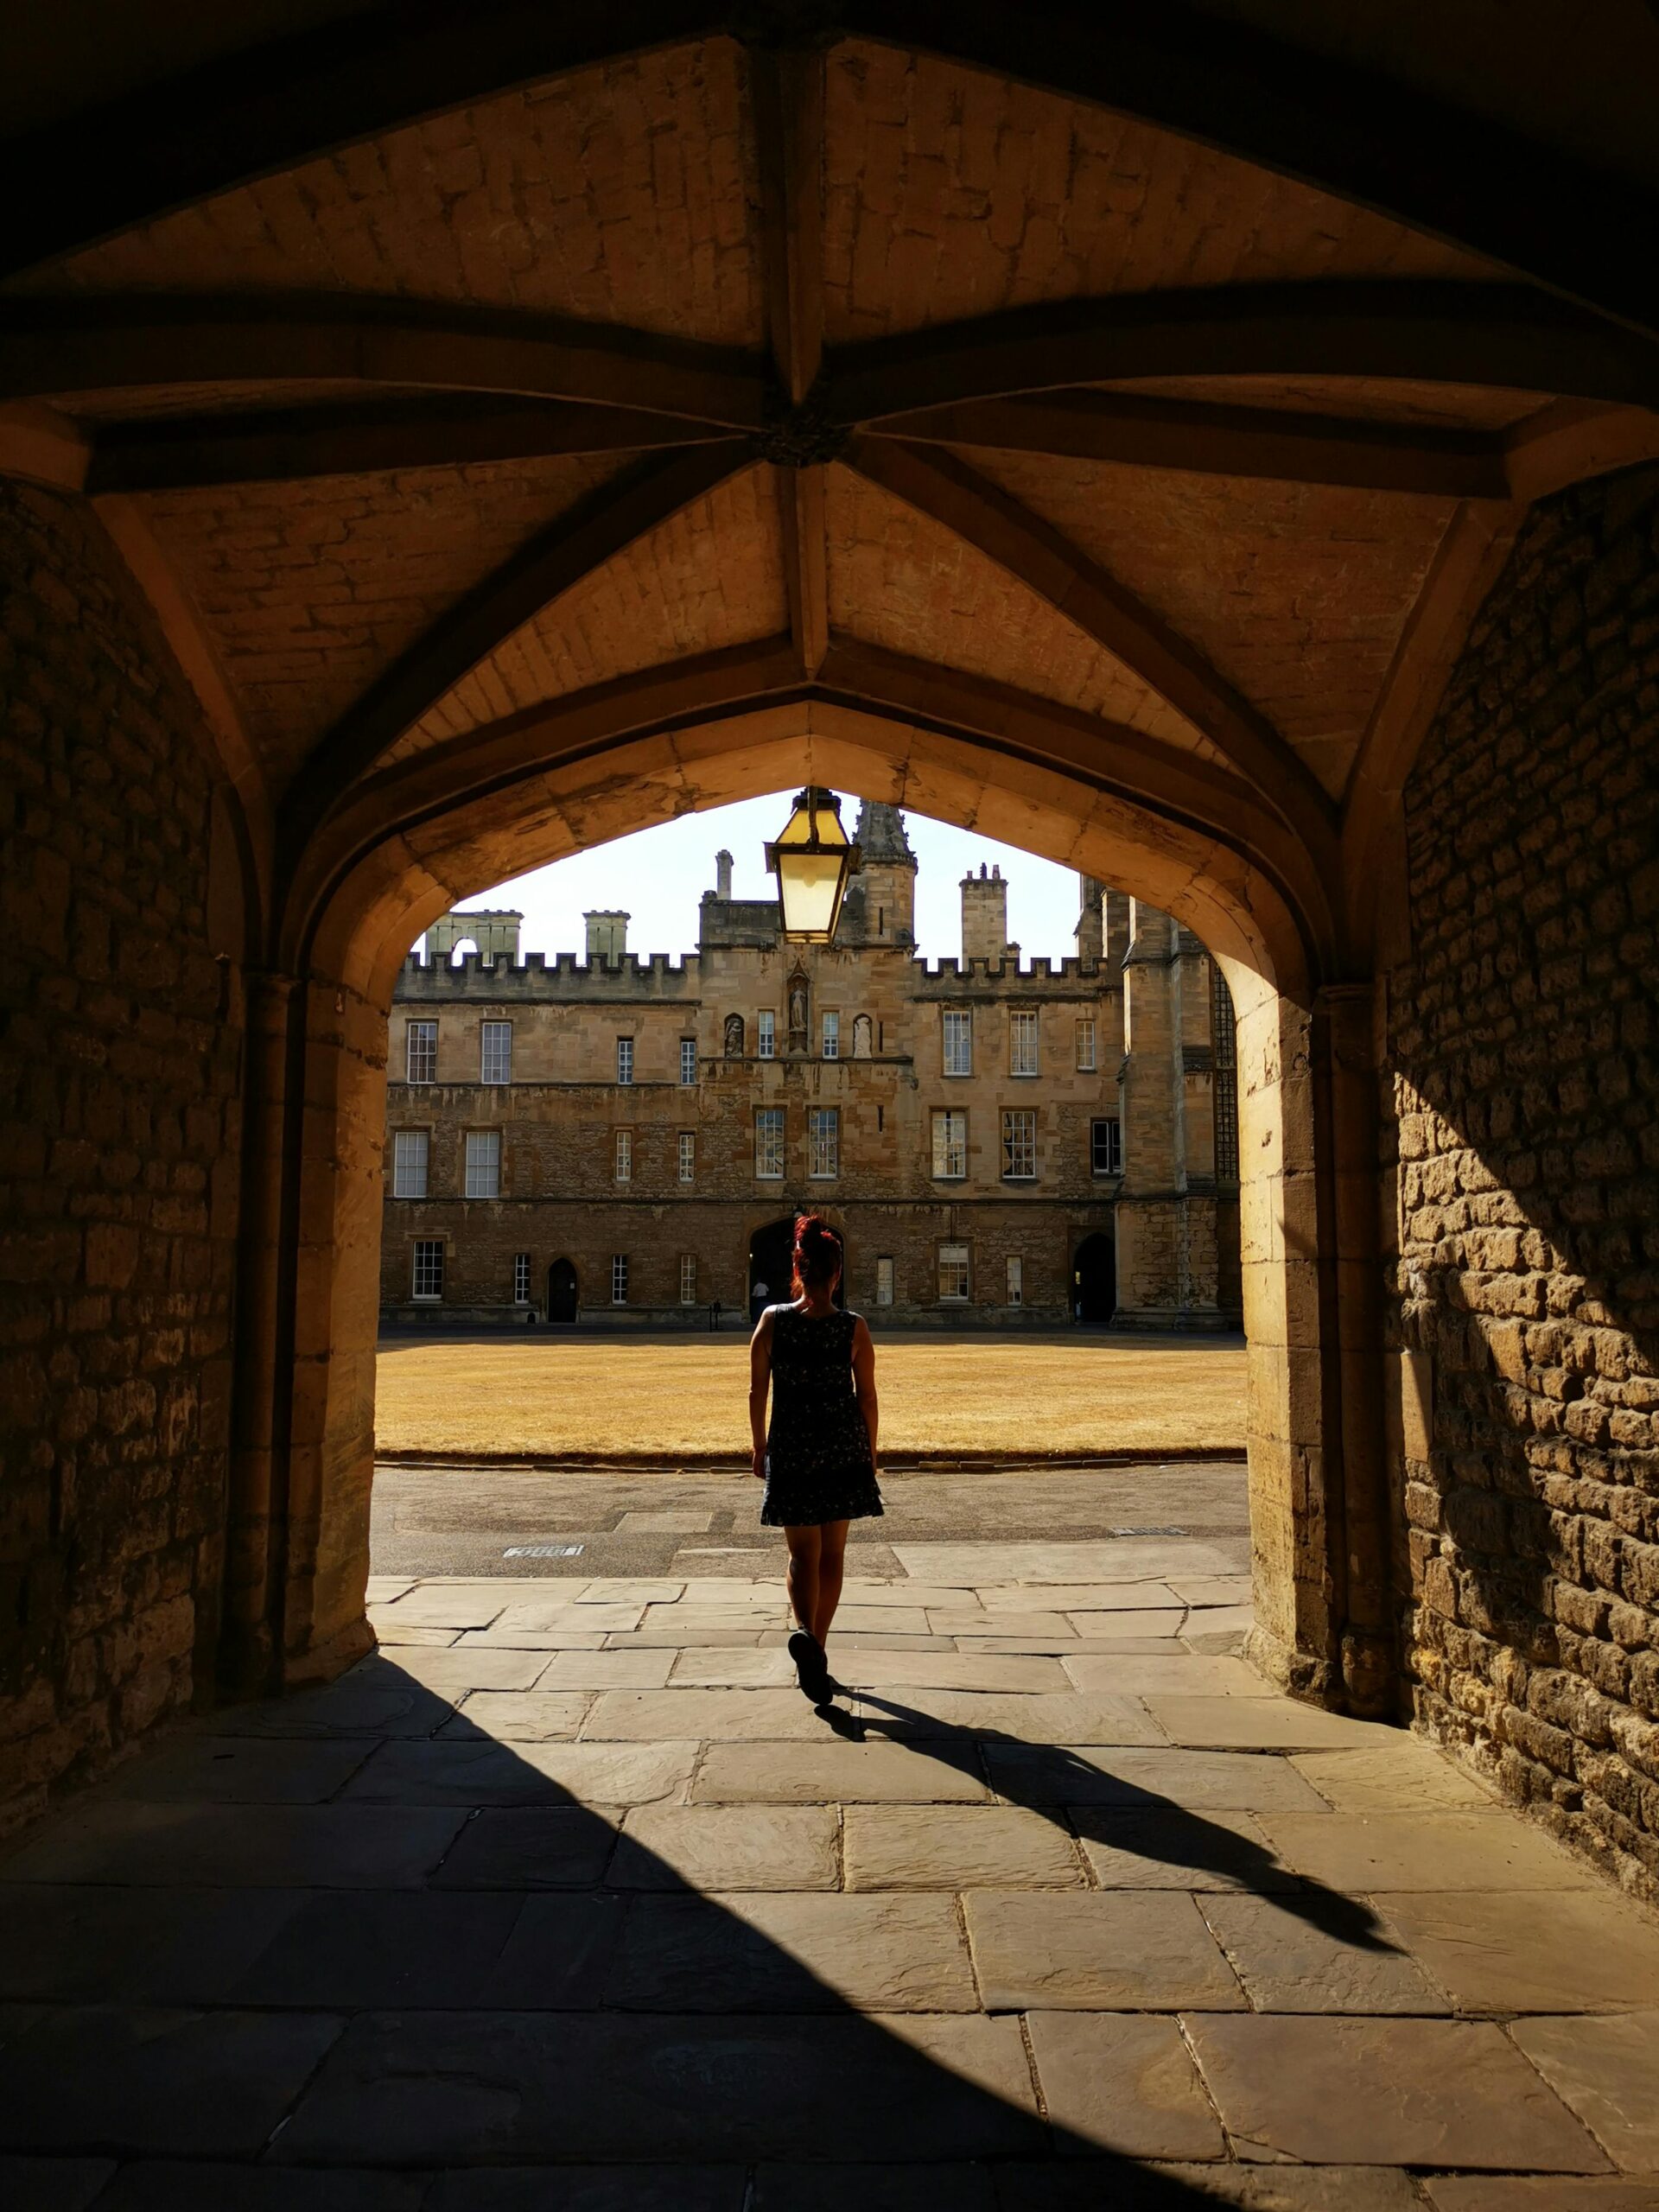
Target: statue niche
[[733, 1036], [798, 1010]]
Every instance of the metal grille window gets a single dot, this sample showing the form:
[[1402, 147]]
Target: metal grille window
[[884, 1281], [766, 1036], [1020, 1145], [1016, 1280], [958, 1043], [521, 1278], [429, 1267], [769, 1143], [619, 1278], [688, 1156], [495, 1052], [625, 1060], [1022, 1041], [688, 1278], [1106, 1147], [1086, 1045], [483, 1163], [1224, 1038], [832, 1036], [409, 1155], [624, 1155], [688, 1059], [823, 1141], [420, 1046], [950, 1144], [953, 1271]]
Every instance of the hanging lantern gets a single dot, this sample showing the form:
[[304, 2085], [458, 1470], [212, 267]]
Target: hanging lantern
[[813, 860]]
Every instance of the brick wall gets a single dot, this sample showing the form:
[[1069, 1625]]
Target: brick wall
[[119, 1073], [1523, 1045]]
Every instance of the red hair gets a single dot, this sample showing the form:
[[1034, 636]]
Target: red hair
[[819, 1254]]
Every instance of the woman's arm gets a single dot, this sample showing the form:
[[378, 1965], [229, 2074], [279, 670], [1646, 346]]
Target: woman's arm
[[864, 1382], [760, 1379]]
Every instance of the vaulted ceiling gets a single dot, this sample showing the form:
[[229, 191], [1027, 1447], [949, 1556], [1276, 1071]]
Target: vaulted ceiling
[[1093, 398]]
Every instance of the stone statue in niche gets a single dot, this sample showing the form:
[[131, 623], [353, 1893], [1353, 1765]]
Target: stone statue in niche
[[798, 1010], [733, 1036], [861, 1038]]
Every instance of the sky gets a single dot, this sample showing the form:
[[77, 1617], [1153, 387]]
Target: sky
[[659, 875]]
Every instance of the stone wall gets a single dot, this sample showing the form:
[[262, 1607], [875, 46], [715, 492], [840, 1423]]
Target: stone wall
[[1526, 1091], [119, 1058]]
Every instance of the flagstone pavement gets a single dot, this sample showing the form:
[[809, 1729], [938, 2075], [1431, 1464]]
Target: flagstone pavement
[[567, 1897]]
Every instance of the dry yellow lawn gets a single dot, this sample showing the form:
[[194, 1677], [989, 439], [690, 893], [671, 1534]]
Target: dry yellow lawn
[[555, 1394]]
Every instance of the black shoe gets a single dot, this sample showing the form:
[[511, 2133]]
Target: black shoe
[[812, 1668]]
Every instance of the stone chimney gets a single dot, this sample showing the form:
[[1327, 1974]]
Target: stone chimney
[[723, 874], [1117, 904], [607, 937], [493, 930], [1090, 932], [984, 915]]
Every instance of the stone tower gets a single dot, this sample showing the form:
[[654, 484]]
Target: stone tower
[[608, 936], [879, 907], [985, 916], [1090, 932]]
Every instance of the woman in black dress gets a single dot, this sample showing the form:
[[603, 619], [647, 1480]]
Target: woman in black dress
[[817, 1457]]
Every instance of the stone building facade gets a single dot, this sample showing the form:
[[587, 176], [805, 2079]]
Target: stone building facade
[[1001, 1144]]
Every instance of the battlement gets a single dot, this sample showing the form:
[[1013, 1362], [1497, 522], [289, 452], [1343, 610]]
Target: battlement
[[565, 976], [1064, 978]]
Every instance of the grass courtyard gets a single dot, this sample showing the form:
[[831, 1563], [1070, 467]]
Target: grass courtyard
[[549, 1396]]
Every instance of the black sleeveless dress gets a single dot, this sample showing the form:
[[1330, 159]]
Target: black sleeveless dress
[[818, 1463]]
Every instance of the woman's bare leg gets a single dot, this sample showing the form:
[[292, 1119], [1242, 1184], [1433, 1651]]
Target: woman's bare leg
[[832, 1561], [801, 1577]]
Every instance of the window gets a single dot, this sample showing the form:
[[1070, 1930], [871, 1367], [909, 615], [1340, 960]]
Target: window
[[495, 1052], [1106, 1147], [625, 1060], [624, 1155], [1016, 1280], [884, 1282], [953, 1271], [688, 1059], [1022, 1041], [950, 1144], [409, 1149], [521, 1278], [1086, 1045], [766, 1041], [483, 1163], [688, 1278], [429, 1267], [769, 1142], [619, 1278], [1018, 1144], [688, 1156], [832, 1036], [958, 1043], [823, 1141], [422, 1044], [1224, 1040]]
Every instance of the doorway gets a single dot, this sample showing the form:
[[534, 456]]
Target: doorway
[[1094, 1280], [771, 1253], [561, 1291]]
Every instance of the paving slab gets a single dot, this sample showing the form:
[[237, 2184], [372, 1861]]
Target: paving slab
[[1212, 1589], [1182, 1674], [1154, 1632], [464, 1666], [709, 1715], [956, 1847], [590, 2188], [130, 2078], [427, 2088], [1082, 1596], [283, 1846], [837, 1773], [686, 1616], [389, 1632], [1402, 1776], [1029, 1622], [1259, 1723], [1312, 1952], [1107, 1559], [1061, 1717], [1608, 2071], [1533, 1951], [389, 1704], [558, 1956], [1177, 1781], [194, 1768], [1426, 1851], [726, 1848], [742, 1669], [468, 1773], [531, 1640], [873, 2189], [472, 1604], [1095, 1952], [1537, 2193], [945, 1670], [529, 1847], [1152, 2187], [347, 1950], [1122, 2082], [1219, 1628], [860, 1639], [1163, 1850], [793, 1952], [381, 1589], [607, 1670], [166, 2186], [723, 1638], [556, 1608], [629, 1590], [89, 1943], [519, 1716], [1390, 2092], [767, 1592]]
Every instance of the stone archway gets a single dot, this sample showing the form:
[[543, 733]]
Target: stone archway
[[563, 1294], [1094, 1280]]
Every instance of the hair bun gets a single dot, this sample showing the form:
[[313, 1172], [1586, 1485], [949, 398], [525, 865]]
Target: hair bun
[[818, 1253]]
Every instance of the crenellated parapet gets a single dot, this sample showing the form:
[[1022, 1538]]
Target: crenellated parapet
[[562, 977]]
